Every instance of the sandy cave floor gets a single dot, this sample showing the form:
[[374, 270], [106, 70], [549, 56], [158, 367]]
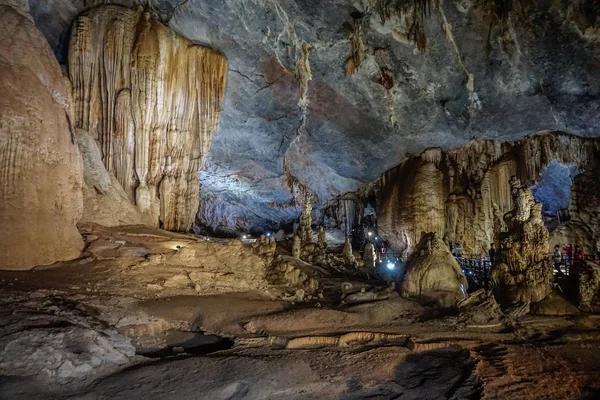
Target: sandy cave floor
[[248, 345]]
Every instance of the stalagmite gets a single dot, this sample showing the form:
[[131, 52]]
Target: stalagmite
[[523, 270], [433, 275], [463, 193], [296, 247], [40, 166], [347, 254], [306, 232], [152, 100], [321, 243]]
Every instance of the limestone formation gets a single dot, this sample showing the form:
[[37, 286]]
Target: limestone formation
[[433, 275], [40, 166], [369, 255], [347, 254], [464, 193], [296, 247], [104, 201], [152, 100], [523, 269], [295, 274], [586, 277], [306, 231], [583, 228], [321, 243], [265, 247]]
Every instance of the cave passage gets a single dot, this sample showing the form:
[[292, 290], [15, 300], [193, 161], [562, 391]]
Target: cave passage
[[554, 189]]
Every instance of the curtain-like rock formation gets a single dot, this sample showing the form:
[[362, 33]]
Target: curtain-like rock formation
[[462, 194], [152, 100], [40, 168]]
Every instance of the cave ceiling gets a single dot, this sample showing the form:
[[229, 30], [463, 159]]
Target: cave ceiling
[[289, 99]]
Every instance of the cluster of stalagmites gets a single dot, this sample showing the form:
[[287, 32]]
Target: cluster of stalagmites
[[523, 271], [462, 194], [152, 100]]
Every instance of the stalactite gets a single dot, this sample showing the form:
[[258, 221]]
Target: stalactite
[[471, 183], [152, 100]]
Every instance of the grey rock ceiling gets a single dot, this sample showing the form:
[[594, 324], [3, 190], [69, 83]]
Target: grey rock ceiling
[[541, 71]]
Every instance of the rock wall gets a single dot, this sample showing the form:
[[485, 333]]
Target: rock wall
[[463, 193], [152, 100], [40, 166], [584, 212]]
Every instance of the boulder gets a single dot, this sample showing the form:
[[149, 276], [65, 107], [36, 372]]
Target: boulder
[[433, 275]]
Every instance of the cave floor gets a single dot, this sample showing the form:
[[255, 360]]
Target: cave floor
[[249, 345]]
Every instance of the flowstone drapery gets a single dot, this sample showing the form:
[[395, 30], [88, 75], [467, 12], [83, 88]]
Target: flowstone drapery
[[40, 166], [152, 100]]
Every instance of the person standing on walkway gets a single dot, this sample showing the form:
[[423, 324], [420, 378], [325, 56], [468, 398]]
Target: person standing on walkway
[[492, 253], [579, 255], [557, 258]]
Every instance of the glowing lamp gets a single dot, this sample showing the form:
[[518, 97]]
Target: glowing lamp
[[390, 265]]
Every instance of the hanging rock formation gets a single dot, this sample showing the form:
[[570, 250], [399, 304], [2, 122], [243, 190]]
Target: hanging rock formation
[[40, 167], [462, 194], [480, 75], [152, 100], [433, 275], [523, 270]]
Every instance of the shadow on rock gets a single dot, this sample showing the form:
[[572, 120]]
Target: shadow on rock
[[436, 374]]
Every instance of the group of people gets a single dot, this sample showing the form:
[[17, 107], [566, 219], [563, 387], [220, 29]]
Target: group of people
[[567, 255]]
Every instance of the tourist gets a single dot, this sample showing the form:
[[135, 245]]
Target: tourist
[[492, 253], [557, 257], [568, 252], [579, 256], [457, 251]]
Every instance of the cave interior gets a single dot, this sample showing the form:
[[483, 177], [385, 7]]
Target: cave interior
[[266, 199]]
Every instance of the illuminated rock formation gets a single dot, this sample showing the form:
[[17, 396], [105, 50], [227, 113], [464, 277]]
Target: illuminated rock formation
[[40, 166], [306, 231], [321, 243], [433, 275], [347, 253], [369, 255], [104, 201], [152, 100], [523, 269], [265, 247], [463, 193]]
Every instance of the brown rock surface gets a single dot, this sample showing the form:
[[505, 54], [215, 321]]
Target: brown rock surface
[[40, 167], [104, 201], [523, 270], [152, 100], [463, 193], [433, 274]]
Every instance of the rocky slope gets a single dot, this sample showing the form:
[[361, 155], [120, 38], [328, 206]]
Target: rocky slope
[[464, 69]]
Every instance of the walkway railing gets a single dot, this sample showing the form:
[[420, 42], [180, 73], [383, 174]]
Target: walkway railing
[[476, 268]]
